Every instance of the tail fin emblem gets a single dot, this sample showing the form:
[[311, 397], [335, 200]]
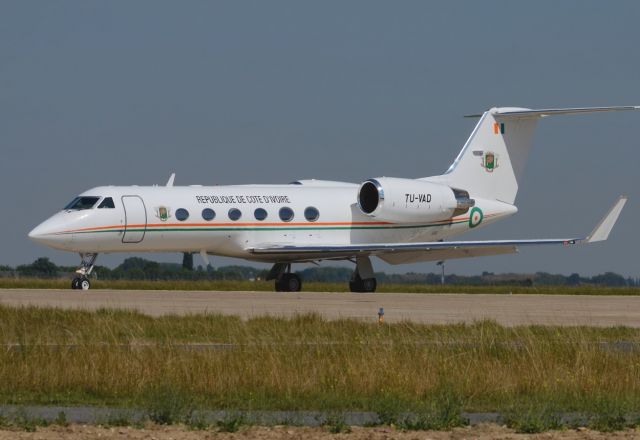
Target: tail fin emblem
[[490, 161], [498, 128]]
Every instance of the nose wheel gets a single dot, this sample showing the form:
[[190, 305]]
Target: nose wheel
[[81, 281]]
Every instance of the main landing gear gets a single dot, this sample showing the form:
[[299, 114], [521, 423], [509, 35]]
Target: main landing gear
[[82, 282], [363, 279], [285, 280]]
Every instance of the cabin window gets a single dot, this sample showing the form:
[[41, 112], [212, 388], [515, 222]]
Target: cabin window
[[260, 214], [311, 214], [286, 214], [235, 214], [106, 203], [80, 203], [208, 214], [182, 214]]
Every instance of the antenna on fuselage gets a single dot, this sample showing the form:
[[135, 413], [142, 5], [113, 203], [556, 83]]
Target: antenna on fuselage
[[172, 177]]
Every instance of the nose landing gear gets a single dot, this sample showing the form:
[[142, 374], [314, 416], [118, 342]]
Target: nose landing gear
[[82, 282]]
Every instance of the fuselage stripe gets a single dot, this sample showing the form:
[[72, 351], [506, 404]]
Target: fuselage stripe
[[263, 226], [195, 227]]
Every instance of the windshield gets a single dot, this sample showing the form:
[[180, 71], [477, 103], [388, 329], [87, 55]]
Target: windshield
[[82, 203]]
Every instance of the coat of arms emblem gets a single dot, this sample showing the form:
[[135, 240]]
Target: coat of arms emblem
[[489, 161], [163, 213]]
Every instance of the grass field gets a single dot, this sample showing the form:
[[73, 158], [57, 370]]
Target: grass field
[[119, 358], [33, 283]]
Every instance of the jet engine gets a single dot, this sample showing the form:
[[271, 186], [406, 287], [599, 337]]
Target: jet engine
[[408, 200]]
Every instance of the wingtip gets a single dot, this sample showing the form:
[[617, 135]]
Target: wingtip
[[604, 228]]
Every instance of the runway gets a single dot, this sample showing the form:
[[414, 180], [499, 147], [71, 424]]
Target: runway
[[508, 310]]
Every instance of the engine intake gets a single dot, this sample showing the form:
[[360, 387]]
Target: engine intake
[[370, 196]]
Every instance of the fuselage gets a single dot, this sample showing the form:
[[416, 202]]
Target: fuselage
[[230, 220]]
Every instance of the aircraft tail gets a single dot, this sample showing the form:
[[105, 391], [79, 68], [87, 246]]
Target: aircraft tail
[[492, 161]]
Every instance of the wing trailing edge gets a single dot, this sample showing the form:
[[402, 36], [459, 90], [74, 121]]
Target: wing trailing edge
[[397, 253]]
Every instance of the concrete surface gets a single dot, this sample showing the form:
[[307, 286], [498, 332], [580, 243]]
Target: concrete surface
[[423, 308]]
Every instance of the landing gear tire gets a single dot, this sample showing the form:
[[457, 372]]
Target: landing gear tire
[[359, 285], [288, 282], [85, 284], [81, 283]]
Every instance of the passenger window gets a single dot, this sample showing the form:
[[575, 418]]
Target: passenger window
[[260, 214], [235, 214], [80, 203], [182, 214], [311, 214], [106, 203], [208, 214], [286, 214]]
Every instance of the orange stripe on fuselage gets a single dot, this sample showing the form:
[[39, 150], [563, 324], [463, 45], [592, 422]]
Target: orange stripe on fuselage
[[310, 224]]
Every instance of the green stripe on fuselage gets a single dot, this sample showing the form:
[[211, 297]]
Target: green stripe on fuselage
[[265, 228]]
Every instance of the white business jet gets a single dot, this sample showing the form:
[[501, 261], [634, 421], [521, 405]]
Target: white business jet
[[395, 219]]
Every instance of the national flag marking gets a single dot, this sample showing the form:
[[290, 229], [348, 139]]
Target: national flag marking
[[498, 128]]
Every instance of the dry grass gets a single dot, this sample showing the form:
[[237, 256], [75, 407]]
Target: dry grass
[[124, 358]]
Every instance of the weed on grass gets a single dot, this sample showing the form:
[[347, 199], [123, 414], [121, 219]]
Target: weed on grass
[[197, 422], [23, 421], [336, 424], [231, 423], [608, 415], [533, 419], [117, 418], [167, 405], [61, 419]]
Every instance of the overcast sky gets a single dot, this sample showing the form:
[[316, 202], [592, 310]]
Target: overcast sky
[[95, 93]]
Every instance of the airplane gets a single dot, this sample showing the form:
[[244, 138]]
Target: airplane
[[399, 220]]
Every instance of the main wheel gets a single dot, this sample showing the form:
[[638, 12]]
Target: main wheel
[[289, 282], [359, 285], [369, 285], [75, 283]]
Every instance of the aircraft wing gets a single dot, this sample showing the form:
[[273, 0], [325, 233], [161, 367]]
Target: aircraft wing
[[397, 253]]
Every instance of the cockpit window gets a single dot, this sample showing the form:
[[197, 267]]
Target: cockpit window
[[80, 203], [107, 203]]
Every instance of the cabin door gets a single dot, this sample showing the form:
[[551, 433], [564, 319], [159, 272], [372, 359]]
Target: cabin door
[[135, 219]]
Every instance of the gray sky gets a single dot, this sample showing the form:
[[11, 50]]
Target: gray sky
[[95, 93]]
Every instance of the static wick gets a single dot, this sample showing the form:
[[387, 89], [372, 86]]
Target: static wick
[[381, 315]]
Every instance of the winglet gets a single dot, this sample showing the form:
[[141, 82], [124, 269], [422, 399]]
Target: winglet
[[601, 232], [172, 177]]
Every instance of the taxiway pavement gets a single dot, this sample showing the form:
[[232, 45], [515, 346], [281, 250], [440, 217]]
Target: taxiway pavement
[[423, 308]]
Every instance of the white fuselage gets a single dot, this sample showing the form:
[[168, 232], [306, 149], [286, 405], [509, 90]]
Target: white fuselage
[[151, 219]]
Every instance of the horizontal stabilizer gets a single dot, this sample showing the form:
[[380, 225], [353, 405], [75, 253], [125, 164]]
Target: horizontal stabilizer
[[515, 112]]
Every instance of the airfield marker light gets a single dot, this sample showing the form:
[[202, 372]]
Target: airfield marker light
[[381, 315]]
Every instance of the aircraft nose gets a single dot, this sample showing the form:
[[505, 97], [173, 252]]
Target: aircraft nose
[[49, 233]]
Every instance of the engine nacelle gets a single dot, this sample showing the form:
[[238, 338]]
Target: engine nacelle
[[408, 200]]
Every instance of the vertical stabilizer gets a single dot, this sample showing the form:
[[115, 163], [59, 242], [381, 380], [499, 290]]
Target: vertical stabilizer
[[492, 161]]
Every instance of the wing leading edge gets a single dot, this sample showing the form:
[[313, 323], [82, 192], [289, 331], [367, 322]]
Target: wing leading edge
[[397, 253]]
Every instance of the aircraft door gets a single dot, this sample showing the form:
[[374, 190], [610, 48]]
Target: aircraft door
[[135, 219]]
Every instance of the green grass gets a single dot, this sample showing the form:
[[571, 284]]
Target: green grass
[[126, 359], [34, 283]]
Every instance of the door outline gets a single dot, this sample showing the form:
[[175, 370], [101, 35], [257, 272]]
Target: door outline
[[126, 223]]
